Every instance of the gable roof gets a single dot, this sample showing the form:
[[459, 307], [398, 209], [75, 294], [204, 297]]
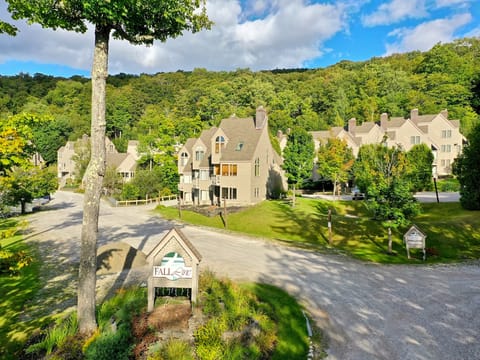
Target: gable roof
[[182, 240], [366, 127], [240, 130], [115, 159]]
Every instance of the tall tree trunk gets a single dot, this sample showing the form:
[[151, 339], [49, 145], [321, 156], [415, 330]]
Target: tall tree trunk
[[93, 186]]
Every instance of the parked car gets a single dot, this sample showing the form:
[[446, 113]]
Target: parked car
[[357, 194]]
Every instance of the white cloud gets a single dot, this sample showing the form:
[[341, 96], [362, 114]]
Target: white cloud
[[395, 11], [473, 33], [451, 3], [427, 34], [290, 33]]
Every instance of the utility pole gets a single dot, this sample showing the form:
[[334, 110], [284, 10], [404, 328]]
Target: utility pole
[[179, 206]]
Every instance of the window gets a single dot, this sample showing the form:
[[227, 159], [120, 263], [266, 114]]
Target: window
[[414, 140], [229, 193], [446, 134], [187, 179], [256, 192], [219, 143], [446, 148], [204, 174], [199, 154], [216, 169], [183, 158], [229, 169], [257, 167]]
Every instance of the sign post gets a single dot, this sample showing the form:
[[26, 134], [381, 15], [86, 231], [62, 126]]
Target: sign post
[[174, 263], [330, 226], [415, 239]]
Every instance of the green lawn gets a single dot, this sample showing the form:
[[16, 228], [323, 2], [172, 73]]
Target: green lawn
[[15, 292], [453, 234]]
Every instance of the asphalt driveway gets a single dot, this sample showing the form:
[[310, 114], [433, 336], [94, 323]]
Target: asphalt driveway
[[367, 311]]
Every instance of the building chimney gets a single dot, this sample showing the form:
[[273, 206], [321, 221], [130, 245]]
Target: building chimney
[[260, 118], [414, 115], [383, 121], [444, 112], [352, 124]]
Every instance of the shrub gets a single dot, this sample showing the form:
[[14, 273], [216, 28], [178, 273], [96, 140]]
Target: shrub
[[56, 336], [448, 185], [116, 345], [11, 262], [173, 349]]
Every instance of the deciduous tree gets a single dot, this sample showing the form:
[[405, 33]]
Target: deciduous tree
[[139, 22], [380, 171], [334, 161], [420, 160], [467, 168], [298, 157]]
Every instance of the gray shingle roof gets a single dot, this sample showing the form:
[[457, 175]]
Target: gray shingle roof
[[240, 130]]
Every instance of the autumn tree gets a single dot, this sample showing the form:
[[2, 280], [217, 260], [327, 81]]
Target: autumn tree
[[298, 157], [334, 161], [16, 141], [138, 22]]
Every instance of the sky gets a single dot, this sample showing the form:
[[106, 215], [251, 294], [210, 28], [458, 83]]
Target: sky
[[258, 35]]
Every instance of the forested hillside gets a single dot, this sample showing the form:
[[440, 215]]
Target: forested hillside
[[165, 106]]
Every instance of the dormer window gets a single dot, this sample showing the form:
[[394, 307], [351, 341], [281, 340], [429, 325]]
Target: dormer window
[[199, 154], [183, 158], [239, 146], [219, 143]]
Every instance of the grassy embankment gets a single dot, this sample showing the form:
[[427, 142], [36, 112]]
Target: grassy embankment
[[453, 234], [246, 321], [16, 290]]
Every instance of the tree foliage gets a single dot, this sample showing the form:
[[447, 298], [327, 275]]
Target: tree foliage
[[298, 156], [334, 161], [22, 185], [315, 99], [467, 169], [382, 173], [419, 171]]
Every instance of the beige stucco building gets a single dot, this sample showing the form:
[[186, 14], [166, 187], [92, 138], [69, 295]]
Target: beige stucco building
[[124, 163], [235, 162], [439, 133]]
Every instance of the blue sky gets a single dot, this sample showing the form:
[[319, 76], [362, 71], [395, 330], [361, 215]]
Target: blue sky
[[260, 35]]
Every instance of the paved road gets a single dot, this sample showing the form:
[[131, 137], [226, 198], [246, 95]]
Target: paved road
[[368, 311]]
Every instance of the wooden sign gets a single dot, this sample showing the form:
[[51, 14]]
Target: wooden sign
[[415, 239], [174, 263]]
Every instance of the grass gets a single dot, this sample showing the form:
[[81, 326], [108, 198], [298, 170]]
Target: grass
[[453, 234], [292, 341], [16, 292]]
